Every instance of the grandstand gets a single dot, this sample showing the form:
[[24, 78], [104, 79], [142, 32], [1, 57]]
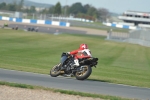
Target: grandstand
[[136, 18], [139, 25]]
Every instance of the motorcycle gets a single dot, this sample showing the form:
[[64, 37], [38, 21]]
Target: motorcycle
[[82, 72]]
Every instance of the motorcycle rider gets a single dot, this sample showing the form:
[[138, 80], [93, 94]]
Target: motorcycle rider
[[82, 52]]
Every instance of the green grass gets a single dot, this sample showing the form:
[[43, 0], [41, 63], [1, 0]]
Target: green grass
[[106, 97], [121, 63], [100, 26]]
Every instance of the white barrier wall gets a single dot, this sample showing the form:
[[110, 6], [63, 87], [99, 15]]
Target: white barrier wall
[[34, 21], [120, 26]]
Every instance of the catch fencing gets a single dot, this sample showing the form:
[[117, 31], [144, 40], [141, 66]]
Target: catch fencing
[[138, 36]]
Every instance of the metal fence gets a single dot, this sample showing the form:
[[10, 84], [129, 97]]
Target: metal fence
[[117, 36], [139, 36]]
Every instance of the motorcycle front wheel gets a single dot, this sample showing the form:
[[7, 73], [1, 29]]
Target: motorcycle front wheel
[[84, 73], [55, 71]]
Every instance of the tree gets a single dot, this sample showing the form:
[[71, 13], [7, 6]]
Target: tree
[[65, 10], [11, 7], [44, 11], [57, 9], [27, 10], [32, 9], [103, 14], [3, 6], [20, 5], [86, 8], [15, 4], [91, 11], [51, 10], [76, 8]]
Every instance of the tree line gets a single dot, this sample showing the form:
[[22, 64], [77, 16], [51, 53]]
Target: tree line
[[12, 6], [77, 10]]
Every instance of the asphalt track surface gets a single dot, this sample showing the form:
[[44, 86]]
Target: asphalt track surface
[[44, 29], [66, 83]]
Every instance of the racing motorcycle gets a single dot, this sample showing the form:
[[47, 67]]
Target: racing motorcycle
[[82, 72]]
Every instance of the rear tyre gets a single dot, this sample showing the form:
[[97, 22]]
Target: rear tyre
[[84, 73], [55, 71]]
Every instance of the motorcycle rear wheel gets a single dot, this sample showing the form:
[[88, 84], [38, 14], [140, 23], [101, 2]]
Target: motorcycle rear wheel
[[55, 71], [84, 74]]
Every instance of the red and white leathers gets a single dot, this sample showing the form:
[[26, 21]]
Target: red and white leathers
[[82, 52]]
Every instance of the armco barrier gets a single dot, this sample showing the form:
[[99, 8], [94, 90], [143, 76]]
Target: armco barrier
[[120, 26], [34, 21]]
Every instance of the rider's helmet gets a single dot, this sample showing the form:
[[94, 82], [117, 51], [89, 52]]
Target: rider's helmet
[[83, 46]]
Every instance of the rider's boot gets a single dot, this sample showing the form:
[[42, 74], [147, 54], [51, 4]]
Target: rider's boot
[[76, 64]]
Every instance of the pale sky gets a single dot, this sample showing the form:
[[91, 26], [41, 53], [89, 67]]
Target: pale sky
[[118, 6]]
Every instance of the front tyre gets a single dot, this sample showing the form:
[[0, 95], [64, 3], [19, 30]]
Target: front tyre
[[84, 73], [55, 71]]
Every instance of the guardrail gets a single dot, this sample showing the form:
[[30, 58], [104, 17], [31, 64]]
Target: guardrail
[[34, 21]]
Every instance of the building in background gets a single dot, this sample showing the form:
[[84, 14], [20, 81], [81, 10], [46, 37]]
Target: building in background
[[136, 18]]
